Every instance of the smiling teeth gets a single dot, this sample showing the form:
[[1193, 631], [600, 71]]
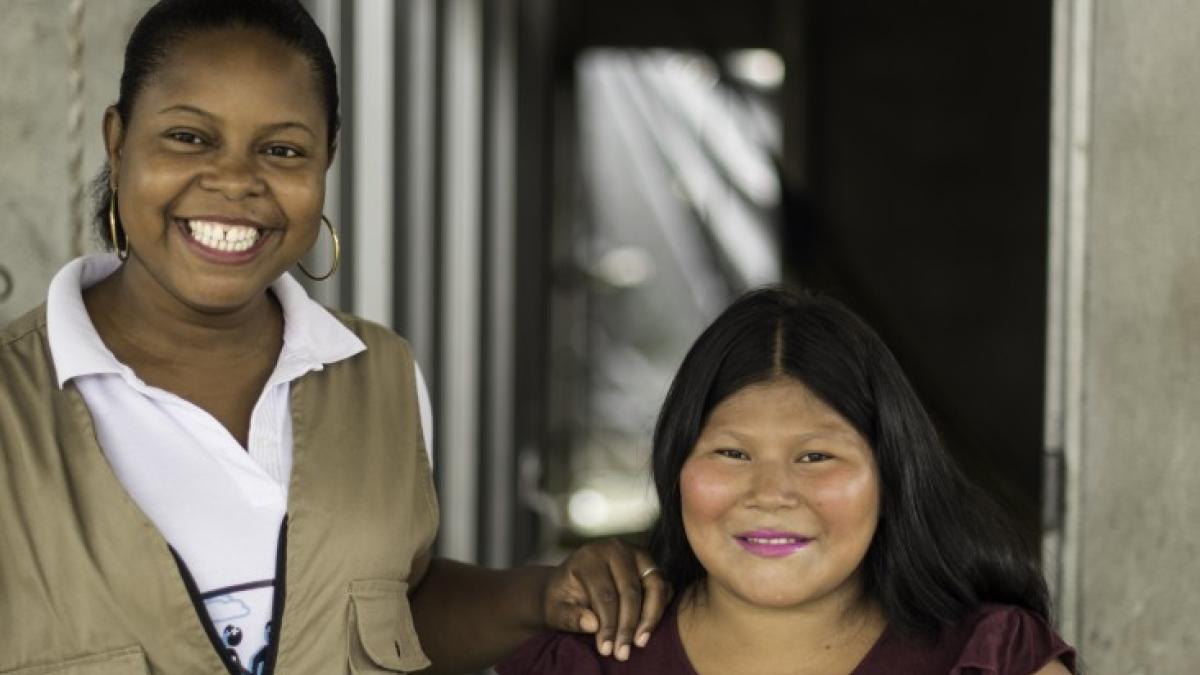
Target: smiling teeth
[[222, 237], [775, 541]]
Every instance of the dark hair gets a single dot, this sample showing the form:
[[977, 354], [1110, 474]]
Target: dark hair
[[940, 548], [169, 20]]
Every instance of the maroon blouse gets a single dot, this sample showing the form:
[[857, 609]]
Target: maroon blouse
[[994, 640]]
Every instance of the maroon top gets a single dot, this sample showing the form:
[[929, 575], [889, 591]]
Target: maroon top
[[994, 640]]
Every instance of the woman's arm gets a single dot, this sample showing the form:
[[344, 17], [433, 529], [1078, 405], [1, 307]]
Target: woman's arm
[[470, 617]]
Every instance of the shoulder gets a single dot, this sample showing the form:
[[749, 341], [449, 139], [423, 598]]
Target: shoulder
[[554, 653], [28, 387], [386, 352], [575, 654], [25, 359], [31, 325], [369, 332], [1004, 639]]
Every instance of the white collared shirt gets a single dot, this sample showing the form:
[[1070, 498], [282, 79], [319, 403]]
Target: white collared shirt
[[218, 505]]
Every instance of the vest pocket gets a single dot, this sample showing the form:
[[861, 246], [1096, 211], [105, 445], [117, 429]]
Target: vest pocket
[[382, 636], [128, 661]]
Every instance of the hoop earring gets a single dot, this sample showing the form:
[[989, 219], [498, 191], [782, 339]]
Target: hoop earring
[[337, 254], [112, 228]]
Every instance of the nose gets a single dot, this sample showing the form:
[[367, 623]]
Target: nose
[[233, 176], [773, 487]]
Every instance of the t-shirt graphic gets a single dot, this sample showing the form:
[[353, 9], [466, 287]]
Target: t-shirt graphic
[[241, 616]]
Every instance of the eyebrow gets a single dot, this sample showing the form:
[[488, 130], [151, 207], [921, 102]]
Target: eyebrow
[[278, 126], [799, 438]]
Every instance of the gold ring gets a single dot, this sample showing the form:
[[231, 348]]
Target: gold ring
[[650, 570]]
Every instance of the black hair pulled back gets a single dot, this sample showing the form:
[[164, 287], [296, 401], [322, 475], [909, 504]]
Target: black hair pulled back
[[940, 548], [165, 23]]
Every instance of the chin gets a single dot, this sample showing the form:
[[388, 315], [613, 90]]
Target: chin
[[785, 591], [218, 294], [219, 301], [774, 599]]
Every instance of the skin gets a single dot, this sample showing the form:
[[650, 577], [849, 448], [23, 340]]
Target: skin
[[774, 457], [232, 126], [215, 140]]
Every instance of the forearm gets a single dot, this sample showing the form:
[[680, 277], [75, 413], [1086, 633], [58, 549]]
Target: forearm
[[470, 617]]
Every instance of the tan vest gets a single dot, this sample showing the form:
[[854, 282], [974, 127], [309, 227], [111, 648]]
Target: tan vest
[[89, 587]]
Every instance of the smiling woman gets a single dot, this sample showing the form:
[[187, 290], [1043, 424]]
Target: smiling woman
[[202, 469], [763, 452], [219, 194], [814, 523]]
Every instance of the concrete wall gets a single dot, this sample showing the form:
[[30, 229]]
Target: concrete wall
[[1138, 473], [47, 153]]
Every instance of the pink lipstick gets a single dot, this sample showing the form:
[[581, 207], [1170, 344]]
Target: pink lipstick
[[771, 543]]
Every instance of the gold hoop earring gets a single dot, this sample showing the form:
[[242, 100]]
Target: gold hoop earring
[[337, 254], [112, 228]]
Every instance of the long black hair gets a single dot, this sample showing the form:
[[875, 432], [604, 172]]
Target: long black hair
[[940, 549], [169, 20]]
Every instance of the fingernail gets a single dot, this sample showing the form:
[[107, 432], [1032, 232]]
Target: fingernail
[[642, 639], [606, 647], [623, 653]]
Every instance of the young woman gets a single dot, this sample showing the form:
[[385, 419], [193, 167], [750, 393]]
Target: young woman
[[813, 522], [201, 469]]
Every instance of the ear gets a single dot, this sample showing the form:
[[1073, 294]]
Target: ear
[[114, 137]]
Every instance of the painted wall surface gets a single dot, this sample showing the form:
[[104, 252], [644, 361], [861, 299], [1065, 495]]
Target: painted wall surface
[[1139, 544], [50, 131]]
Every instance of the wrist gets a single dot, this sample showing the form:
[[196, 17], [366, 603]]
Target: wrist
[[536, 584]]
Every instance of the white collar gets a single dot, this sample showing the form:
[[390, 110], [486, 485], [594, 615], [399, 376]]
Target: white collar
[[312, 337]]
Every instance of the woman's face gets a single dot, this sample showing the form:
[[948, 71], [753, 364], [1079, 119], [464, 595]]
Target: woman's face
[[780, 498], [220, 170]]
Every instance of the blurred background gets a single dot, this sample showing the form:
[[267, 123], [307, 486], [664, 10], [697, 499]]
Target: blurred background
[[551, 198]]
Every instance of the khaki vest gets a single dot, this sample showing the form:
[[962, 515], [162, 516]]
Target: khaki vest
[[89, 587]]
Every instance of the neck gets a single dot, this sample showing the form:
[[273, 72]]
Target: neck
[[726, 633], [134, 313]]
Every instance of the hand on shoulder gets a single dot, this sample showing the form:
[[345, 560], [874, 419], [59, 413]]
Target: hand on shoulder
[[604, 588]]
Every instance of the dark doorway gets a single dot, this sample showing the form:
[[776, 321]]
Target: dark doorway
[[914, 176]]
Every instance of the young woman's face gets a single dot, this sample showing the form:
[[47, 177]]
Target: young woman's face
[[780, 498], [220, 170]]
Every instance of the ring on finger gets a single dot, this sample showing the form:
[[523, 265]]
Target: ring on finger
[[650, 570]]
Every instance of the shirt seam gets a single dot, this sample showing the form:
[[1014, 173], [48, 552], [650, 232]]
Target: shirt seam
[[38, 327]]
